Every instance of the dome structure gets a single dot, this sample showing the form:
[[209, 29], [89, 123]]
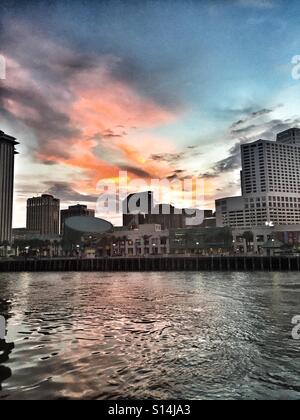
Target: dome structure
[[88, 225], [79, 229]]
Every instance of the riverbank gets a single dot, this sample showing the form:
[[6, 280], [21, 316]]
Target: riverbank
[[147, 264]]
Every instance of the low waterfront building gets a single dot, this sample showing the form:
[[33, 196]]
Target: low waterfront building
[[252, 240], [201, 241], [83, 232], [274, 247], [23, 234], [143, 240], [32, 243]]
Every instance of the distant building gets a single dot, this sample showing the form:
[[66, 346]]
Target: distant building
[[73, 211], [43, 214], [136, 207], [139, 209], [167, 216], [270, 180], [209, 222], [23, 234], [7, 160]]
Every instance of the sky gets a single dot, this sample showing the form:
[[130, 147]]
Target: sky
[[161, 89]]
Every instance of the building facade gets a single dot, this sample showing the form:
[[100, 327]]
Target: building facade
[[270, 181], [73, 211], [144, 240], [43, 215], [289, 235], [7, 162], [201, 241]]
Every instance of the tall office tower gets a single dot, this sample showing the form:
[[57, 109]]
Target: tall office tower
[[73, 211], [7, 163], [270, 180], [43, 214]]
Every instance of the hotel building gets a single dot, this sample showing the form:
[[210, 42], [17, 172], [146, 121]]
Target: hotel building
[[270, 181], [43, 215]]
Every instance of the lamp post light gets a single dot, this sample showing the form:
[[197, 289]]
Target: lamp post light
[[27, 248], [77, 250]]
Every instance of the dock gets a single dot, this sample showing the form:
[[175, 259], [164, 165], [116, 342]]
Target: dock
[[148, 264]]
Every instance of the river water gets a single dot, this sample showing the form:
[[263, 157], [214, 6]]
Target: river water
[[150, 335]]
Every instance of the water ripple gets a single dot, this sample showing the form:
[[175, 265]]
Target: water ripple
[[166, 336]]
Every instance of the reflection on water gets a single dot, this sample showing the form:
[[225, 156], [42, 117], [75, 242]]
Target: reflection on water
[[5, 348], [169, 335]]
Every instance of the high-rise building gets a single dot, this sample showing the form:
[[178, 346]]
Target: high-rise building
[[270, 180], [7, 162], [291, 136], [73, 211], [43, 214]]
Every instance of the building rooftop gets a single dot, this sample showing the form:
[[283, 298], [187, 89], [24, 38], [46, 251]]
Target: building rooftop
[[6, 137]]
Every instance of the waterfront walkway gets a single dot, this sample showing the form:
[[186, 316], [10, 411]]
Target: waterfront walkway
[[170, 263]]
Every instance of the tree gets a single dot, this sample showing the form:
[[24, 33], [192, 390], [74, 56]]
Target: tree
[[249, 237], [5, 245]]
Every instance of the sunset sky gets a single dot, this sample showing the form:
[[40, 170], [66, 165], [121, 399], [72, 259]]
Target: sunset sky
[[161, 89]]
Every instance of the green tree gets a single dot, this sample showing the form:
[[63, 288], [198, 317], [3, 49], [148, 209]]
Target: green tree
[[249, 237]]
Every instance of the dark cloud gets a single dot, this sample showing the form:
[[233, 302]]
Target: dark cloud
[[179, 174], [109, 134], [252, 115], [167, 157], [57, 60], [175, 158], [141, 173], [227, 165], [49, 162], [46, 121], [65, 192], [208, 175], [265, 130]]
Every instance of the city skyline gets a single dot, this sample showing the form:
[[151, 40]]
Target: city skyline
[[85, 101], [253, 180], [149, 202]]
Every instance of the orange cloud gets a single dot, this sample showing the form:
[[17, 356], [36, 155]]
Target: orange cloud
[[112, 123], [103, 105]]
